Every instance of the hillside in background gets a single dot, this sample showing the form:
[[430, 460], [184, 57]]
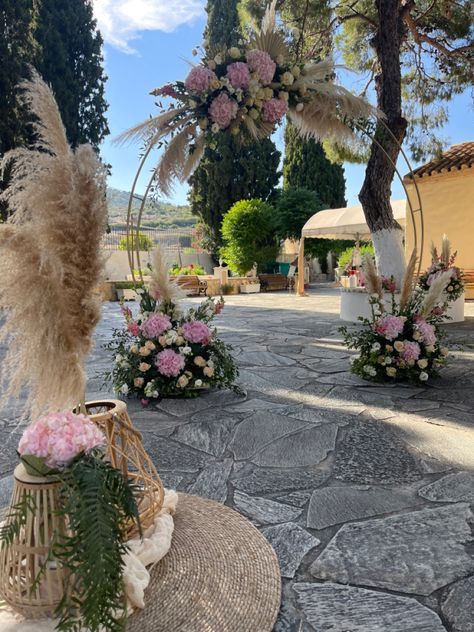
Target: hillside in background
[[156, 214]]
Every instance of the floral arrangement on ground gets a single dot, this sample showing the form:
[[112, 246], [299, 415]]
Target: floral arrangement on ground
[[95, 503], [402, 342], [164, 351], [441, 263]]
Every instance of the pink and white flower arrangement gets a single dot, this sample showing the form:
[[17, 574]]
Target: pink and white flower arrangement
[[405, 343], [440, 263], [169, 352], [58, 438]]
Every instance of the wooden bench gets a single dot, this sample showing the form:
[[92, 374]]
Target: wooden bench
[[192, 285], [468, 278], [272, 282]]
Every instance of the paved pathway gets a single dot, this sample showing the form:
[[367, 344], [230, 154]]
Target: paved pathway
[[364, 491]]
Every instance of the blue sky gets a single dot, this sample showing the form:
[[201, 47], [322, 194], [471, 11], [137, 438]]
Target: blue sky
[[147, 43]]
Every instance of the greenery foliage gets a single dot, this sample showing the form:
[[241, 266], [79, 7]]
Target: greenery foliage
[[293, 209], [71, 62], [192, 268], [249, 235], [306, 166], [345, 258], [145, 243]]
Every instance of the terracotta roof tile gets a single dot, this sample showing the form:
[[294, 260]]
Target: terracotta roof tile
[[457, 157]]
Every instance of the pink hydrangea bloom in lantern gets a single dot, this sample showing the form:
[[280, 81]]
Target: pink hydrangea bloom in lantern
[[155, 325], [196, 331], [260, 62], [390, 326], [238, 74], [60, 437], [274, 110], [411, 351], [222, 110], [199, 79], [169, 362]]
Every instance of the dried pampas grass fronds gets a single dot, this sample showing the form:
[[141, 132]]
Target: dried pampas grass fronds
[[445, 250], [51, 262], [161, 287], [373, 282], [407, 283], [434, 295]]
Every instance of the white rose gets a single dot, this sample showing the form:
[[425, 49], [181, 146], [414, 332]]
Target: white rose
[[198, 383], [215, 128], [376, 346], [186, 350], [218, 59], [299, 107], [118, 358], [124, 389], [423, 376]]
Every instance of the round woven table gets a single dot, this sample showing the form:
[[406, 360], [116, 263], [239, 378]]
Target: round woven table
[[220, 575]]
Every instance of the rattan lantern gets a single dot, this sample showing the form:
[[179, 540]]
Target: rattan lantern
[[126, 453], [21, 561]]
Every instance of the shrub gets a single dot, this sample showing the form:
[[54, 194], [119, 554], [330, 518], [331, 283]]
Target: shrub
[[192, 268], [144, 242], [345, 257], [249, 235]]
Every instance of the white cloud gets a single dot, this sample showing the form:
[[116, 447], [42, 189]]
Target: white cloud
[[121, 21]]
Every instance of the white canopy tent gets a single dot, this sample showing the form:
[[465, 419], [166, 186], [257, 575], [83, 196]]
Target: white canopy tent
[[341, 223]]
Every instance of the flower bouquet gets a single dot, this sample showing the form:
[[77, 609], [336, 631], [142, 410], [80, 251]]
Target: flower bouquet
[[401, 342], [246, 91], [79, 530], [441, 263], [164, 352]]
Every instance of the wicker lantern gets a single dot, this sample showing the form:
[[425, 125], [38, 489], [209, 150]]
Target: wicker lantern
[[126, 453], [21, 561]]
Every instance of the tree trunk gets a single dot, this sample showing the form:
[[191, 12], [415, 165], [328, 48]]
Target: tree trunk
[[375, 193]]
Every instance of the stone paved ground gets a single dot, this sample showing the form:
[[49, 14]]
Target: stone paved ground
[[364, 491]]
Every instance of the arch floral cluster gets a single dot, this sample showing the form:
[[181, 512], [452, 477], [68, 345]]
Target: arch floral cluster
[[246, 91]]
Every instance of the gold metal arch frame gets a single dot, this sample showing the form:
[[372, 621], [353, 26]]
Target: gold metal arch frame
[[416, 209]]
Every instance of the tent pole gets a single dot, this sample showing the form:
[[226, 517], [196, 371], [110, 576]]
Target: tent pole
[[301, 291]]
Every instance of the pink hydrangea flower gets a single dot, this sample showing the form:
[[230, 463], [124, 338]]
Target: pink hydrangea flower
[[169, 362], [260, 62], [222, 110], [60, 437], [199, 79], [411, 351], [390, 327], [133, 328], [155, 325], [238, 74], [197, 331], [274, 110], [427, 331]]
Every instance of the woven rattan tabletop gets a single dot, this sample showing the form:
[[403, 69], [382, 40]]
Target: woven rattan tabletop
[[220, 575]]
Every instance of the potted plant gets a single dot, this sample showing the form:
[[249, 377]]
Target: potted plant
[[249, 286]]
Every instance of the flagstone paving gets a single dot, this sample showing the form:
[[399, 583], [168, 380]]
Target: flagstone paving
[[365, 491]]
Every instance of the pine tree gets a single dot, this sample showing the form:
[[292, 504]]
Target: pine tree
[[306, 166], [72, 63], [231, 171]]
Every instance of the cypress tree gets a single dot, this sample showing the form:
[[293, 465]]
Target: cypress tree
[[72, 63], [305, 166], [231, 171]]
